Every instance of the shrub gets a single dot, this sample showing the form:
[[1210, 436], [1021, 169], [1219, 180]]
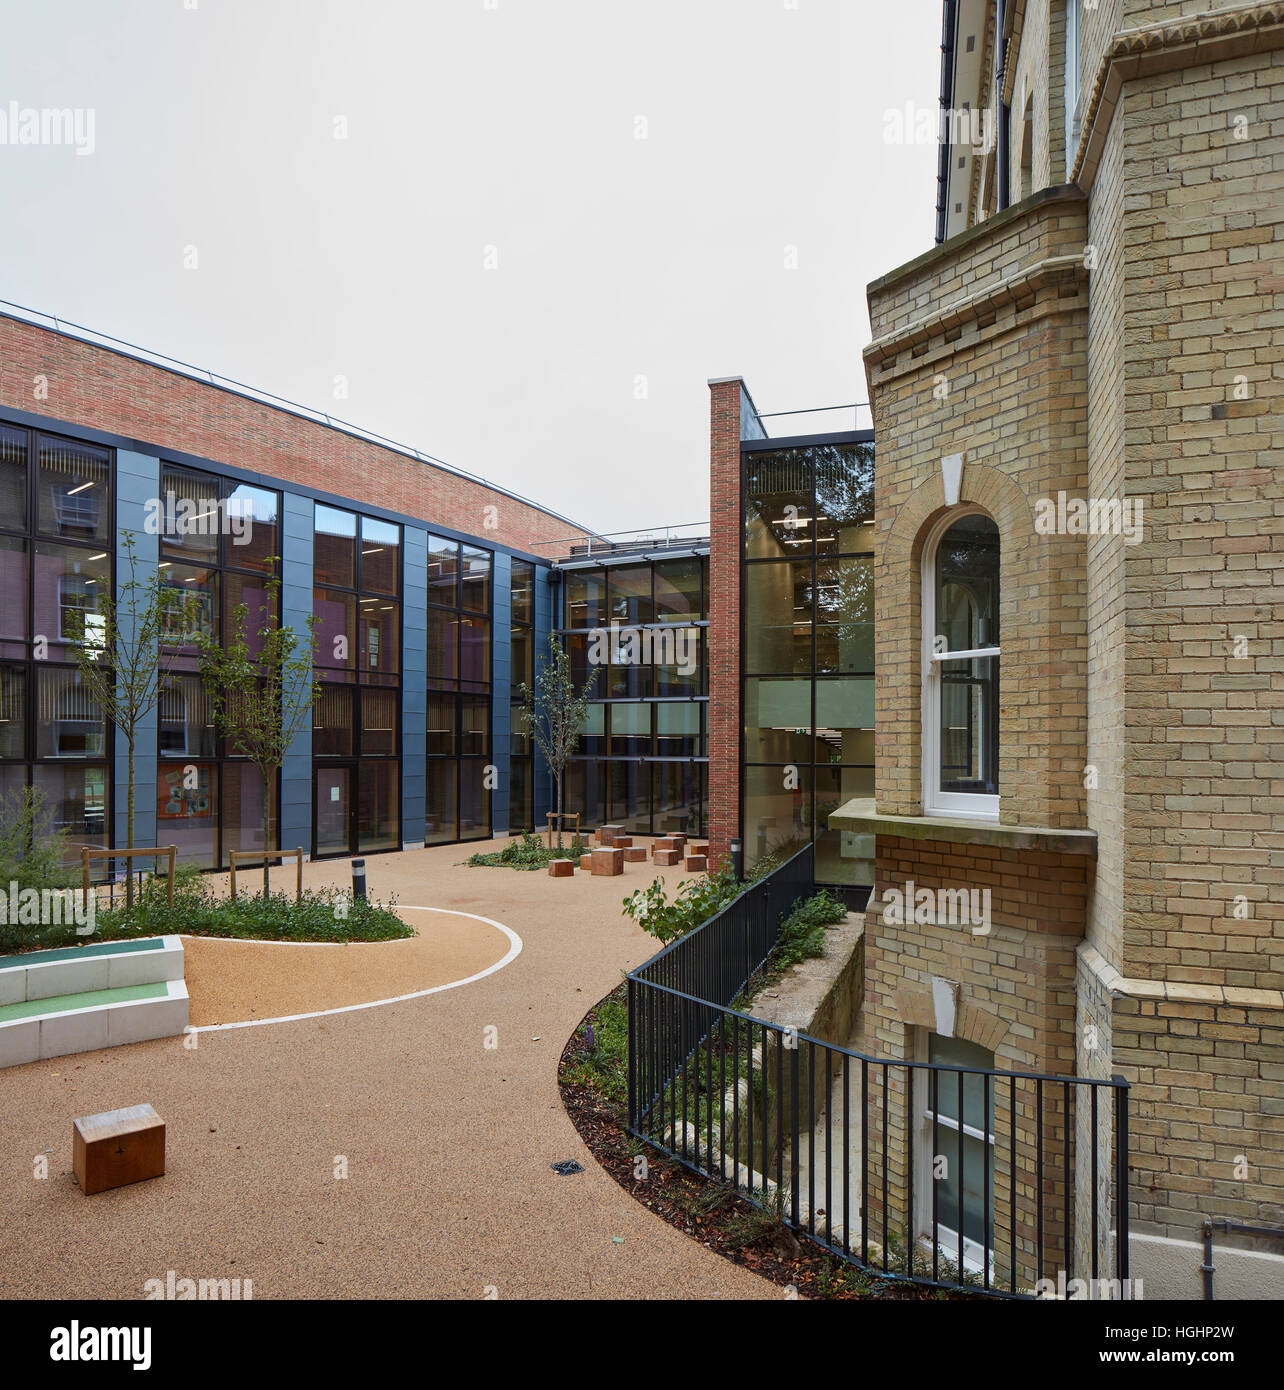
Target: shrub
[[322, 914], [528, 853], [802, 933], [32, 853], [694, 903], [602, 1060]]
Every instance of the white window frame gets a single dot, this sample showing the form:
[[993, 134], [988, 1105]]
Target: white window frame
[[947, 1238], [964, 805]]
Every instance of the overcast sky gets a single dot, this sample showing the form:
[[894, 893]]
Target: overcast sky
[[547, 224]]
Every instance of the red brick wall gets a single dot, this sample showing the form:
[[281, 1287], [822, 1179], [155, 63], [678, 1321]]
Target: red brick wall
[[724, 616], [105, 390]]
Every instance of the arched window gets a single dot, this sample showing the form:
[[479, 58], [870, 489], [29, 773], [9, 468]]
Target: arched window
[[961, 667]]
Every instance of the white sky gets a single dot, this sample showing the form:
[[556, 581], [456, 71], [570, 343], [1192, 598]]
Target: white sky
[[474, 124]]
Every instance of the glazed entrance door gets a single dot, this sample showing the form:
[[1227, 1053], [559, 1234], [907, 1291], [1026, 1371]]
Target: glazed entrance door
[[332, 811]]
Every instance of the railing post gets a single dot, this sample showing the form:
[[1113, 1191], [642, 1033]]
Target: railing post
[[630, 995], [1121, 1178]]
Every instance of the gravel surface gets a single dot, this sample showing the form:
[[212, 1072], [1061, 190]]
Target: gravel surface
[[448, 1142]]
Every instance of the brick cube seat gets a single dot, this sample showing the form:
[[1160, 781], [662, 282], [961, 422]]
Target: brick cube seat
[[666, 857], [697, 864], [561, 868], [586, 861], [606, 834], [635, 854]]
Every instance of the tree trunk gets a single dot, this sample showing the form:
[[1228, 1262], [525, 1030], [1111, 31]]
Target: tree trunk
[[557, 779], [129, 826], [267, 816]]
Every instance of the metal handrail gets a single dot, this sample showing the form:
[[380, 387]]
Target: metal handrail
[[687, 1037]]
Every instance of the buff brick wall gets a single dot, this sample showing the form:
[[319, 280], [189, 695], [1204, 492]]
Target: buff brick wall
[[1107, 603], [1031, 76], [724, 616], [105, 390], [1014, 362], [1016, 998], [1203, 230]]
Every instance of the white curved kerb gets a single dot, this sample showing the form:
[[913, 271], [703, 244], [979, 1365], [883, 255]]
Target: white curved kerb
[[514, 950]]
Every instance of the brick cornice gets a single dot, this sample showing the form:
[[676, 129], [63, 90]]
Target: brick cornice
[[1140, 52], [1020, 285]]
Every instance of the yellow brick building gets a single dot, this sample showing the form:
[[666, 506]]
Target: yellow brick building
[[1077, 399]]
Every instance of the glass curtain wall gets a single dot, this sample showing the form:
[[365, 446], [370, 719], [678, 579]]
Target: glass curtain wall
[[643, 760], [57, 536], [219, 548], [460, 579], [808, 647], [521, 752], [356, 740]]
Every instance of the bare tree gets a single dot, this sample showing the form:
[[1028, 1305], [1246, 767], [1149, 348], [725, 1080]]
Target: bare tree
[[555, 713], [262, 695], [117, 645]]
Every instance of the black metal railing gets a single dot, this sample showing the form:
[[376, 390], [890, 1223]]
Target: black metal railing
[[996, 1181]]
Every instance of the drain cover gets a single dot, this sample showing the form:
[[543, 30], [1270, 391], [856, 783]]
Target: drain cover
[[569, 1166]]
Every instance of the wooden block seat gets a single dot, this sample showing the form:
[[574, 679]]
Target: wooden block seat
[[117, 1147], [561, 868], [607, 861]]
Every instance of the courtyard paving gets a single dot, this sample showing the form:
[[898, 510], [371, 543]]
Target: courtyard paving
[[447, 1142]]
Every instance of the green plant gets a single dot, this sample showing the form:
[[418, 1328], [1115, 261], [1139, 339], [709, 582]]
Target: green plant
[[802, 933], [555, 714], [527, 853], [321, 914], [33, 853], [763, 1223], [120, 661], [696, 900], [602, 1060]]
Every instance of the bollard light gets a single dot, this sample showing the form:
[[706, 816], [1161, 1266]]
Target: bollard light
[[738, 859], [358, 880]]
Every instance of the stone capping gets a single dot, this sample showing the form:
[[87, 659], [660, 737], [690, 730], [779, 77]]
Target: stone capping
[[947, 250], [1140, 52], [1175, 991], [821, 998], [862, 816], [1004, 291]]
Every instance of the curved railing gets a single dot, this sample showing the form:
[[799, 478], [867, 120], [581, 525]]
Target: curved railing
[[886, 1163]]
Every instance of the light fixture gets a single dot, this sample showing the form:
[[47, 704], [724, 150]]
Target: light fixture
[[71, 492], [378, 550], [103, 556]]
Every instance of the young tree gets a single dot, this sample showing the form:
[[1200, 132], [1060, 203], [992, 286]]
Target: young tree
[[262, 693], [119, 660], [556, 714]]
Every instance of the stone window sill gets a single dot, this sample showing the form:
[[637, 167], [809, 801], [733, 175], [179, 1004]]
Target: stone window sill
[[860, 817]]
